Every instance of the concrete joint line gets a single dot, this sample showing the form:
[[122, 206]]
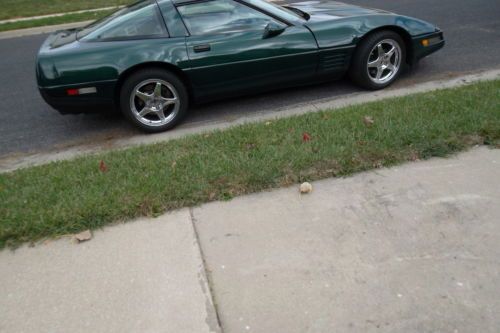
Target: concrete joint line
[[206, 276]]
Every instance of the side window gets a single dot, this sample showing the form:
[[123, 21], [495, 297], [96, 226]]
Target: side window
[[221, 16], [136, 21]]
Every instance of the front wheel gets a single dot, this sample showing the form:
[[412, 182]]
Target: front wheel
[[378, 60], [153, 99]]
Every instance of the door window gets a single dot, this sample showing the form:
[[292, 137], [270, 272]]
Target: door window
[[222, 17]]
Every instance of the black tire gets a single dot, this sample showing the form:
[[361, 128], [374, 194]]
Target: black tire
[[171, 87], [358, 72]]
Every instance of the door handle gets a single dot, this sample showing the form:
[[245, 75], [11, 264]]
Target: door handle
[[202, 48]]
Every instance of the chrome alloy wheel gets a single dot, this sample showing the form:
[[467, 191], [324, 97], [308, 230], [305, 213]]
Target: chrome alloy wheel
[[384, 61], [154, 102]]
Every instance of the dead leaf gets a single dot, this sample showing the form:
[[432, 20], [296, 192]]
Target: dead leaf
[[102, 166], [268, 123], [368, 121], [174, 163], [306, 137], [212, 195], [306, 188], [414, 156], [250, 146], [83, 236]]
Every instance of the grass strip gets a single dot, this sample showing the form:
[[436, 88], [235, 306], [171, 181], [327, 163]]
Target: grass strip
[[70, 18], [70, 196], [27, 8]]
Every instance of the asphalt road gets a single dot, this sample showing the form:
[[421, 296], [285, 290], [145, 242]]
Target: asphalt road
[[27, 124]]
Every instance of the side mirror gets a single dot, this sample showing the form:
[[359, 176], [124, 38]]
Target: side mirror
[[273, 29]]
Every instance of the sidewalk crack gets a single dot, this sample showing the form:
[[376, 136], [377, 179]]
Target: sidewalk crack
[[206, 275]]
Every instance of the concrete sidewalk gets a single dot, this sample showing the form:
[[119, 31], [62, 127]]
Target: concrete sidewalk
[[146, 276], [409, 249]]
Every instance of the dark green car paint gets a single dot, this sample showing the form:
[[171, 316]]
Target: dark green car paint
[[240, 62], [336, 24], [231, 63]]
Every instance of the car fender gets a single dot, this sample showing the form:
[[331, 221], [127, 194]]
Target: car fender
[[82, 62], [349, 30]]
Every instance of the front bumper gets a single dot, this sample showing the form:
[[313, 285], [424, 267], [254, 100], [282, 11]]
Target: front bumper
[[427, 44]]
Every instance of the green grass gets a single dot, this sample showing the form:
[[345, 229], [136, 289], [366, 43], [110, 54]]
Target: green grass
[[27, 8], [71, 196], [54, 20]]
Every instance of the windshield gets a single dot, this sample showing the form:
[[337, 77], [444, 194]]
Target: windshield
[[280, 11], [137, 20]]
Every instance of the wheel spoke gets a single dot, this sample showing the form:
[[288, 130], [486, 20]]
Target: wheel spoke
[[391, 67], [168, 101], [142, 96], [161, 115], [391, 51], [373, 64], [157, 92], [380, 50], [144, 112], [380, 71]]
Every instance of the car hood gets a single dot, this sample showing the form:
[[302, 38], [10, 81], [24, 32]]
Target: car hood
[[328, 10], [336, 24]]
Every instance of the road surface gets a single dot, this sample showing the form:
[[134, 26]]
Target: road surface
[[28, 125]]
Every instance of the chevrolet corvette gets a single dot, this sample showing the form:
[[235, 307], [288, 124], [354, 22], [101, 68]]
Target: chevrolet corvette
[[154, 58]]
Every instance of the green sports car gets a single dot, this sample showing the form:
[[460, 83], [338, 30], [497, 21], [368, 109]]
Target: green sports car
[[154, 58]]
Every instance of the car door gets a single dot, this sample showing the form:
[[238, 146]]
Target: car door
[[228, 50]]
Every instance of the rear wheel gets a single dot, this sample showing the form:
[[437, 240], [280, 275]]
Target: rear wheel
[[153, 99], [378, 60]]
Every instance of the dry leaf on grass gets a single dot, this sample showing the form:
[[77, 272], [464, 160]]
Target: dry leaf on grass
[[368, 121], [103, 167]]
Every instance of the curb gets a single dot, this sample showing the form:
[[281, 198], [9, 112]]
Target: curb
[[8, 164], [41, 30], [31, 18]]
